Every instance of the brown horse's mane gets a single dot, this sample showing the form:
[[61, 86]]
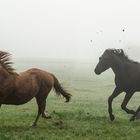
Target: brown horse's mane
[[5, 62]]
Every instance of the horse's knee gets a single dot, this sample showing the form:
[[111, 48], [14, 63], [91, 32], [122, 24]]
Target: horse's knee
[[110, 99]]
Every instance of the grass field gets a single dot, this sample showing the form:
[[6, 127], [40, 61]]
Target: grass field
[[84, 118]]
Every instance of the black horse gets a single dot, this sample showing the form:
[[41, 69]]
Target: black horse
[[127, 77]]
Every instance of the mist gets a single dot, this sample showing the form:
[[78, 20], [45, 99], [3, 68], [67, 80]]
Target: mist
[[75, 30]]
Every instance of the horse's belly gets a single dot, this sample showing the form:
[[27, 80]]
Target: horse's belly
[[15, 100]]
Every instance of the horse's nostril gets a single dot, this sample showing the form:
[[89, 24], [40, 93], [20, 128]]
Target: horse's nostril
[[95, 70]]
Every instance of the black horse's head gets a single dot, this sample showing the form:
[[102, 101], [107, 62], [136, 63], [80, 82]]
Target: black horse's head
[[105, 61]]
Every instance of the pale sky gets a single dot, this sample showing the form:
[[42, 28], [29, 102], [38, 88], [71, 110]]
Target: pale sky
[[70, 29]]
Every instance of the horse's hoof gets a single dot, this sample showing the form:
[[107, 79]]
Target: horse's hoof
[[46, 116], [137, 116], [132, 118], [112, 117], [33, 125]]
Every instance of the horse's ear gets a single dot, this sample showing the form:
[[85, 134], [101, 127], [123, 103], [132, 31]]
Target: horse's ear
[[121, 51]]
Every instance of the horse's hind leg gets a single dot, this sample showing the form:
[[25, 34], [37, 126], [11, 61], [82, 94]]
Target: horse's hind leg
[[41, 101], [39, 111], [125, 102], [44, 114], [35, 122]]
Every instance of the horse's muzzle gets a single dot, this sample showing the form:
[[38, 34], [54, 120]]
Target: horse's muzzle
[[96, 71]]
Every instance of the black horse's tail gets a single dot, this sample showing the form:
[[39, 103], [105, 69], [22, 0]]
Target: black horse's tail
[[60, 90]]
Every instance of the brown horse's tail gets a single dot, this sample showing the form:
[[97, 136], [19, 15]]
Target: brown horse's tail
[[60, 91]]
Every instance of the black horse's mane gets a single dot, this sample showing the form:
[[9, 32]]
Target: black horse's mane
[[122, 55], [5, 61]]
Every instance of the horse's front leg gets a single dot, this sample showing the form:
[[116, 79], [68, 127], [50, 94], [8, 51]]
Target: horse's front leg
[[115, 93], [135, 114], [125, 102], [35, 122]]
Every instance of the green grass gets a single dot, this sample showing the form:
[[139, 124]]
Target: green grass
[[84, 118]]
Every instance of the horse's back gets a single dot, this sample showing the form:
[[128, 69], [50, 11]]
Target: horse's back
[[41, 74], [36, 75]]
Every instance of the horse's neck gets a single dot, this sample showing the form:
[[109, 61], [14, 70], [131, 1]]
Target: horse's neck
[[117, 66], [7, 86], [7, 80]]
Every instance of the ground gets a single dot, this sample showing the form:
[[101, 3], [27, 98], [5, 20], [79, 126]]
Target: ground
[[85, 117]]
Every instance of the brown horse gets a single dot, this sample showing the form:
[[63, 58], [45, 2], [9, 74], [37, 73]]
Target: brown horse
[[17, 89]]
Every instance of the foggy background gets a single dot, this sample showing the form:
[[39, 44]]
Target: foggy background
[[69, 29]]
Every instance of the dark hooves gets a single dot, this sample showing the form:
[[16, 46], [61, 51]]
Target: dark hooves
[[33, 125], [112, 117], [132, 118], [66, 101]]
